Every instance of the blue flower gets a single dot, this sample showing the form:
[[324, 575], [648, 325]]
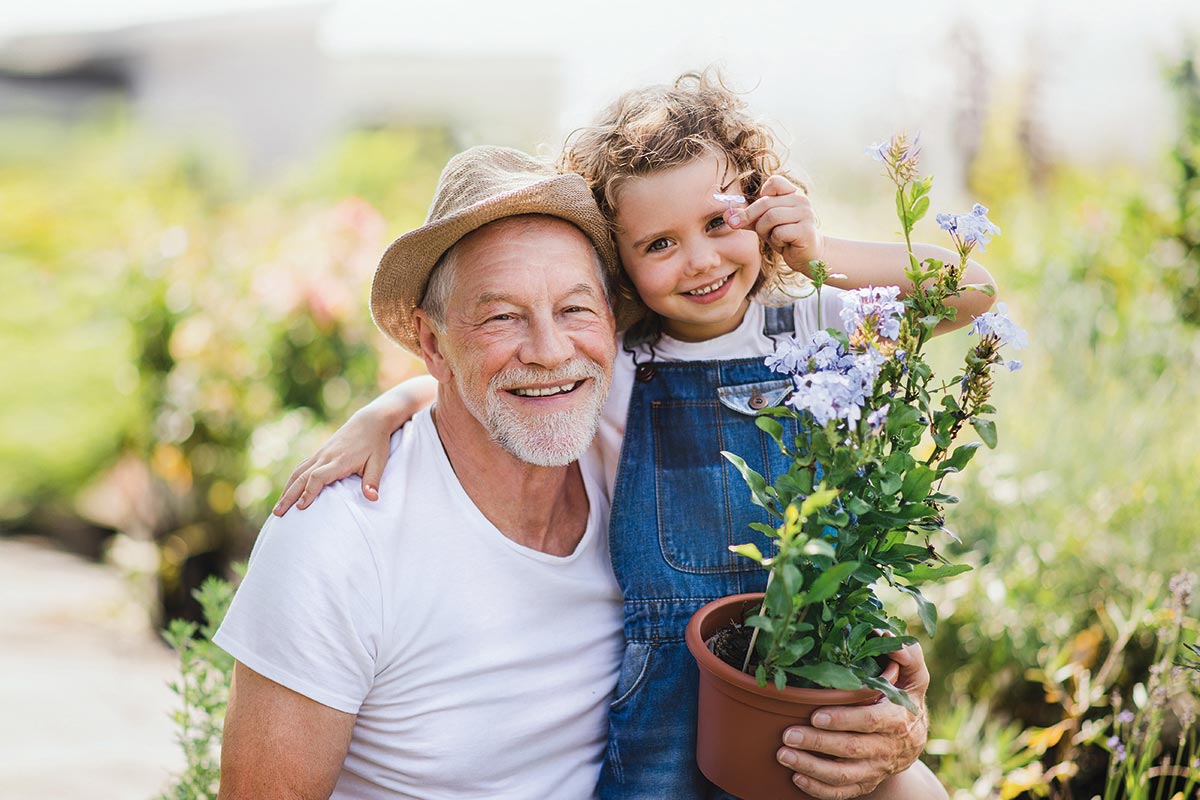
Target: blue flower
[[829, 382], [878, 151], [878, 418], [997, 324], [969, 230], [873, 309], [793, 356], [1014, 365]]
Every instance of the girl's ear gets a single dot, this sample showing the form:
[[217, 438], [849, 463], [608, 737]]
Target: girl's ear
[[431, 346]]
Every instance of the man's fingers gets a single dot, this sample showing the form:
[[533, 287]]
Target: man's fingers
[[914, 675], [826, 778], [881, 717], [824, 791], [836, 743]]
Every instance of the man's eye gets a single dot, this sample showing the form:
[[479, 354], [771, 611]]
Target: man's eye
[[657, 244], [500, 318], [714, 223]]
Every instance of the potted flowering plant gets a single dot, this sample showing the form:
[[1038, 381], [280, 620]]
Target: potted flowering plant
[[860, 505]]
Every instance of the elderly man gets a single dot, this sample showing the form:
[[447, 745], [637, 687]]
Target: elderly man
[[462, 636]]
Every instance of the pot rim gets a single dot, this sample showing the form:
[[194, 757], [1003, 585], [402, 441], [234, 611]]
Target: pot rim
[[713, 665]]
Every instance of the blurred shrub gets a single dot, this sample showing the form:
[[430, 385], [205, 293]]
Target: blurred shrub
[[195, 334], [1088, 504]]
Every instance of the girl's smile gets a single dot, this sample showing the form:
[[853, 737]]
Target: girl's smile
[[689, 267]]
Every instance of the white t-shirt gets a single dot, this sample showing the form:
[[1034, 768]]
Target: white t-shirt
[[477, 667], [744, 341]]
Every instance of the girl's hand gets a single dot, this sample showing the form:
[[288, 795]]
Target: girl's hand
[[783, 217], [360, 447]]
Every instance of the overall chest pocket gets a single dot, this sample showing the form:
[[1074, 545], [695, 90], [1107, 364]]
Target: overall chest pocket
[[703, 504]]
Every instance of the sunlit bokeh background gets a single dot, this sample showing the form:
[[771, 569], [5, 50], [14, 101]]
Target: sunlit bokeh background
[[193, 197]]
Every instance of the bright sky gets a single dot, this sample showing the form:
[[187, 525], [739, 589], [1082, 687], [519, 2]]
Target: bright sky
[[866, 67]]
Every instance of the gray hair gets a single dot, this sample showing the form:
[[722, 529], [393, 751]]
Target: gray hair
[[440, 285]]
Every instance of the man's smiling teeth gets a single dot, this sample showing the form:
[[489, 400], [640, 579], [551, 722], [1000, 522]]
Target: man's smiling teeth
[[546, 392], [712, 287]]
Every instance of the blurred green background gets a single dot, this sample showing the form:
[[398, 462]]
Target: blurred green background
[[182, 325]]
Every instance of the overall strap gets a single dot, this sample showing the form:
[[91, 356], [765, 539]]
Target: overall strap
[[778, 320]]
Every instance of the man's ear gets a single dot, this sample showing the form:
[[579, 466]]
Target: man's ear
[[431, 346]]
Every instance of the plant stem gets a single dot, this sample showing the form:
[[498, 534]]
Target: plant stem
[[754, 636]]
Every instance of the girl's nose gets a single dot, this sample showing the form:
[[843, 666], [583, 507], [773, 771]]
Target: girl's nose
[[702, 258]]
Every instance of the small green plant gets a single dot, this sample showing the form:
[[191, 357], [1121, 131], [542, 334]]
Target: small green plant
[[862, 484], [1140, 765], [203, 691]]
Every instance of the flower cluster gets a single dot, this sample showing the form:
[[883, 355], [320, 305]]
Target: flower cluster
[[996, 329], [873, 313], [969, 230]]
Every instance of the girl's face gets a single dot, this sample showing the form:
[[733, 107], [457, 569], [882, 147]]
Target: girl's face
[[688, 266]]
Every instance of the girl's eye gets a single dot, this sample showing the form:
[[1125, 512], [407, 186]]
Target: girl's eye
[[657, 244], [714, 223]]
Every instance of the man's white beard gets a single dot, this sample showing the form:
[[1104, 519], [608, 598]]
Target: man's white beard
[[546, 440]]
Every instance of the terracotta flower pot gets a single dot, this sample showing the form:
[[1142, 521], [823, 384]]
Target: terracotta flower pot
[[741, 724]]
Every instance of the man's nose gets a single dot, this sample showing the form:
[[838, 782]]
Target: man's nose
[[547, 344]]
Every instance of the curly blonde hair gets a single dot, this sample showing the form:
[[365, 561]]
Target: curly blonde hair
[[658, 127]]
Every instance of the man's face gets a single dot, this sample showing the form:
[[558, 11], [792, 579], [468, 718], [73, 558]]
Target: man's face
[[529, 337]]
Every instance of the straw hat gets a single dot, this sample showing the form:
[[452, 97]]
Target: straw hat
[[478, 186]]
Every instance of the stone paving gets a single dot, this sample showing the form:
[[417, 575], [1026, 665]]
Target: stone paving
[[84, 703]]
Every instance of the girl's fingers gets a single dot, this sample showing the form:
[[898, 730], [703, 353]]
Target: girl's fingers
[[373, 473], [777, 186], [292, 489]]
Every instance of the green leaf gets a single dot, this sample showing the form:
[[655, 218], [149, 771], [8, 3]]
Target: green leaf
[[765, 624], [831, 675], [897, 696], [986, 288], [748, 550], [772, 429], [778, 600], [925, 609], [901, 416], [756, 482], [889, 483], [780, 679], [919, 208], [961, 456], [793, 581], [878, 646], [817, 500], [827, 582], [923, 572], [986, 430], [856, 505], [867, 573], [764, 529], [818, 547], [917, 483]]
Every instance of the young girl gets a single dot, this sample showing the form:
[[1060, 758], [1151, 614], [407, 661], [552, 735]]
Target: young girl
[[707, 275]]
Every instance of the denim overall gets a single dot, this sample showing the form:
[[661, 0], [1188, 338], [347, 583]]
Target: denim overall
[[677, 507]]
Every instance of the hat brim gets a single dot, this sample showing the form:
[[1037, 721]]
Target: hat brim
[[404, 269]]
